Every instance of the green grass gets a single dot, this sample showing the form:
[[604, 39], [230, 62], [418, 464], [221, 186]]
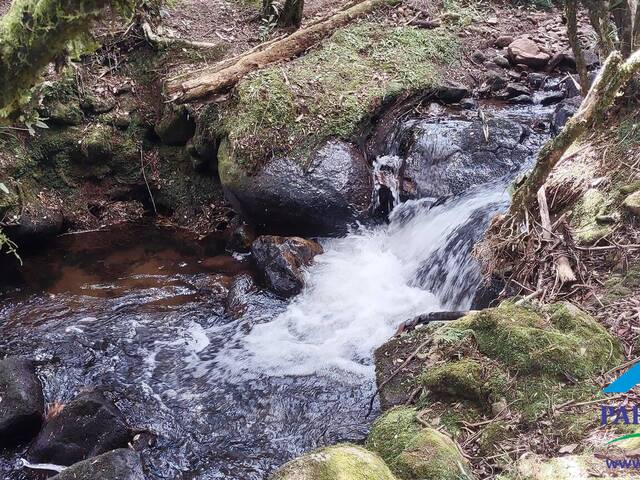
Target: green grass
[[332, 90]]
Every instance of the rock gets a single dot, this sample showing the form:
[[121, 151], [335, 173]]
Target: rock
[[572, 87], [451, 92], [38, 222], [536, 80], [97, 145], [120, 464], [501, 61], [478, 57], [503, 41], [446, 157], [339, 462], [65, 114], [523, 51], [632, 203], [236, 302], [551, 98], [495, 81], [522, 100], [515, 90], [563, 112], [176, 126], [563, 61], [21, 401], [321, 196], [89, 425], [468, 103], [414, 452], [242, 236], [280, 261], [98, 105], [571, 467]]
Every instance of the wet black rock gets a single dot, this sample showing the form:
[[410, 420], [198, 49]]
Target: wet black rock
[[468, 103], [536, 80], [241, 237], [478, 57], [280, 260], [120, 464], [321, 195], [514, 90], [451, 92], [176, 126], [447, 157], [21, 401], [495, 81], [521, 100], [563, 112], [36, 223], [87, 426], [552, 97], [237, 298]]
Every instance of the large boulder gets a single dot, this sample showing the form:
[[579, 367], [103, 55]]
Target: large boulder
[[321, 195], [176, 126], [524, 51], [21, 401], [280, 261], [87, 426], [444, 158], [413, 452], [121, 464], [340, 462]]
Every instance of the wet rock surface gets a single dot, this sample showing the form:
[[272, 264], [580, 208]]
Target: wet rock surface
[[236, 302], [524, 51], [445, 158], [281, 260], [87, 426], [120, 464], [322, 195], [21, 401]]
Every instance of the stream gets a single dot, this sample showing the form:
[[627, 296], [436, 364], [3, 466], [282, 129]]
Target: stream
[[139, 312]]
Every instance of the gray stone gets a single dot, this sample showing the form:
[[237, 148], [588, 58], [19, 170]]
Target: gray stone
[[501, 61], [120, 464], [503, 41], [21, 401], [524, 51]]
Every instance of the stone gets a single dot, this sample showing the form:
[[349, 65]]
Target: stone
[[572, 87], [322, 195], [120, 464], [521, 100], [21, 401], [524, 51], [495, 81], [97, 144], [241, 237], [515, 89], [176, 126], [339, 462], [236, 302], [413, 452], [501, 61], [536, 80], [38, 222], [563, 112], [632, 203], [562, 61], [87, 426], [280, 260], [468, 103], [65, 114], [448, 156], [98, 105], [478, 57], [503, 41], [551, 98], [451, 92]]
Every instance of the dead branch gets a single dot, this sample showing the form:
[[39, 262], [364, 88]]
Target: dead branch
[[164, 41], [212, 82]]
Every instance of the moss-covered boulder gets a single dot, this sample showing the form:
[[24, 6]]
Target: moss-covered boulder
[[591, 206], [340, 462], [289, 159], [176, 126], [632, 203], [413, 452]]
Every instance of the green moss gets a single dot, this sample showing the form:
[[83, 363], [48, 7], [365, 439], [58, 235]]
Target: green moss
[[461, 379], [619, 286], [492, 435], [332, 90], [391, 433], [524, 341], [592, 204], [340, 462]]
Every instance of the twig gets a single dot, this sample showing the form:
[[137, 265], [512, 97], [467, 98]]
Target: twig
[[146, 182]]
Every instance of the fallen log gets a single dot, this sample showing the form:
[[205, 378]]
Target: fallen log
[[163, 41], [426, 318], [211, 82]]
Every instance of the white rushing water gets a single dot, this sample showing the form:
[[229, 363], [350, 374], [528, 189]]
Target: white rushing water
[[368, 282]]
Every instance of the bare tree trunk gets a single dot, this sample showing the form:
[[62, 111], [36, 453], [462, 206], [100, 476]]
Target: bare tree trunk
[[216, 80], [613, 76], [32, 34], [284, 13], [623, 18], [636, 27], [599, 17], [571, 11]]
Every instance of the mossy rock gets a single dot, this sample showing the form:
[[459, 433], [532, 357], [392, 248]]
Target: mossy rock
[[570, 341], [413, 452], [461, 379], [97, 145], [571, 467], [340, 462], [65, 114], [589, 207], [492, 435], [176, 126], [632, 204]]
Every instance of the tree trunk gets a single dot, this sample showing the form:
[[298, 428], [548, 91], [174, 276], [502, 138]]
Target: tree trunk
[[636, 27], [217, 80], [623, 19], [291, 14], [32, 34], [571, 10], [613, 76], [599, 17]]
